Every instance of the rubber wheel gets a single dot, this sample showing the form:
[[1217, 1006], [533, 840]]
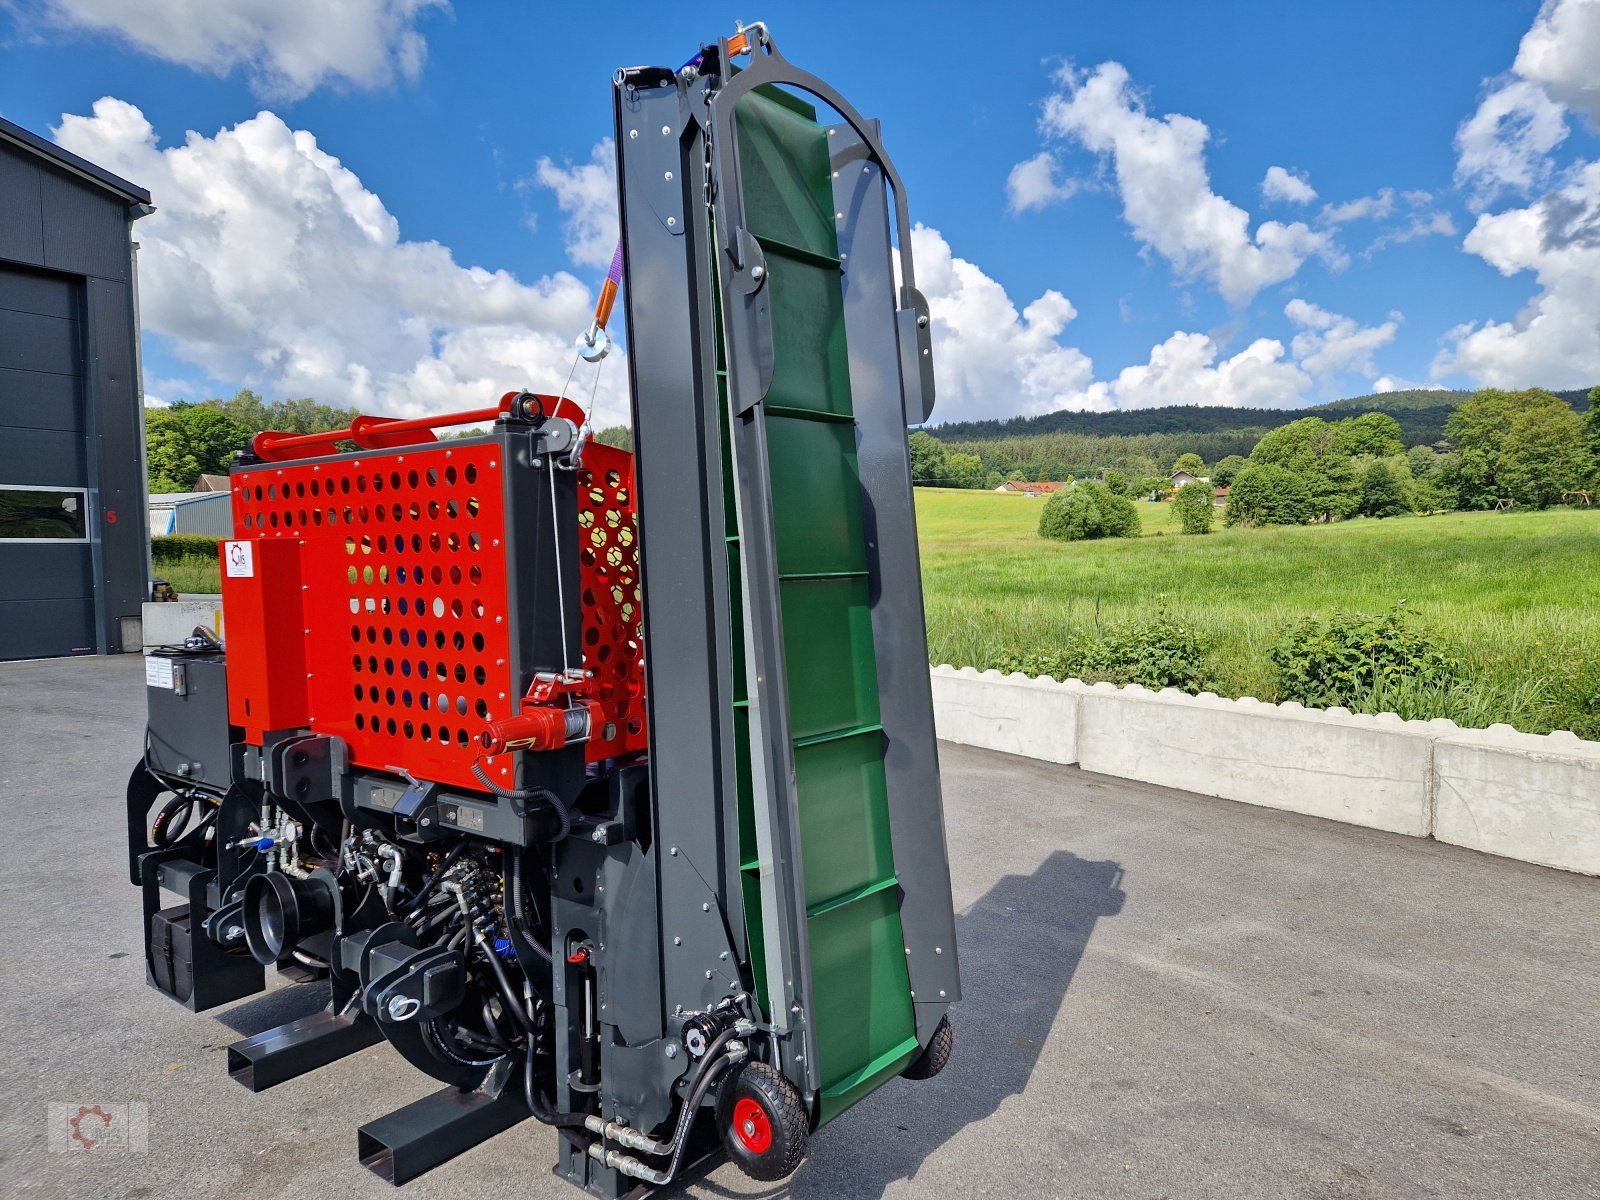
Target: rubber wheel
[[935, 1054], [762, 1121]]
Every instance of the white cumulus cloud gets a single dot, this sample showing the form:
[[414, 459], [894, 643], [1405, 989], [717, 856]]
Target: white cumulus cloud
[[1281, 184], [268, 264], [287, 48], [1032, 184], [1329, 342], [1506, 144], [1166, 190], [587, 194], [1438, 223], [1554, 341], [1561, 53], [1188, 368], [1366, 208], [992, 360], [989, 359]]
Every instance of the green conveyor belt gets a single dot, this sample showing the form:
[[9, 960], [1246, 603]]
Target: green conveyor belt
[[862, 1010]]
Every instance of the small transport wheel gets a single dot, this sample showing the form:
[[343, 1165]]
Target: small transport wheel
[[935, 1054], [762, 1121]]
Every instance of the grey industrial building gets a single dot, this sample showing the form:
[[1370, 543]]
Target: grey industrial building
[[74, 540]]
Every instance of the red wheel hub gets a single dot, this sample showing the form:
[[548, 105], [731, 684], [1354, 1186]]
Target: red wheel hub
[[751, 1127]]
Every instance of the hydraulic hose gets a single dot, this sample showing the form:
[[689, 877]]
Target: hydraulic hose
[[542, 1110], [433, 880]]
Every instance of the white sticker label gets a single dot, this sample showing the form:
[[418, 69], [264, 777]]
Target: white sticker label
[[158, 672], [241, 559]]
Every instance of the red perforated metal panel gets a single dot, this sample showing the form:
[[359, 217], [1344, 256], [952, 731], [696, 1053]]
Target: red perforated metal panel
[[608, 550], [403, 580], [403, 571]]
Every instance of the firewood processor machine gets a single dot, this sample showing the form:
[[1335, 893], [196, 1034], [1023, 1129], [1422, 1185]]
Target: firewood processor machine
[[602, 786]]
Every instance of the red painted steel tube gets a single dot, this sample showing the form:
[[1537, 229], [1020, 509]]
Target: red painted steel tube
[[369, 433]]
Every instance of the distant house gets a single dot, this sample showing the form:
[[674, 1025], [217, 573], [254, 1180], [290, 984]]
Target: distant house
[[1179, 478], [212, 483], [1219, 497], [1018, 487], [207, 513]]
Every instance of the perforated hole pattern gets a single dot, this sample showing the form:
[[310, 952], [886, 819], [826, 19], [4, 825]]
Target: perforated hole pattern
[[404, 576], [613, 639], [403, 566]]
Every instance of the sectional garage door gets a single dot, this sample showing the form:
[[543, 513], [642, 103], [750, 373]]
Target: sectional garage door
[[47, 585]]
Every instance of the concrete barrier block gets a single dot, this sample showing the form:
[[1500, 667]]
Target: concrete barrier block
[[1325, 764], [1520, 796], [1036, 718], [169, 623]]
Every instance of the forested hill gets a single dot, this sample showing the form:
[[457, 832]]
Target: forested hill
[[1421, 414]]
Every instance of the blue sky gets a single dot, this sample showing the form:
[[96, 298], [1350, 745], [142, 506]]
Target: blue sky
[[385, 235]]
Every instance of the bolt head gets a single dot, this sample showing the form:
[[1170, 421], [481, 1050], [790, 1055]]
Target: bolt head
[[672, 1050]]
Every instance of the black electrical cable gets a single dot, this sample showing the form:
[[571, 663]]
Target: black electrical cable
[[517, 795], [517, 913]]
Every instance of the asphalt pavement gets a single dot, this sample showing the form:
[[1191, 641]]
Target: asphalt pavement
[[1166, 996]]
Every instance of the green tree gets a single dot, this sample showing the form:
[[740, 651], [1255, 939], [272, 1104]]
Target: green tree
[[1191, 463], [1226, 471], [928, 459], [1543, 456], [1591, 434], [1267, 494], [186, 441], [962, 470], [1312, 449], [620, 436], [1192, 507], [1482, 422], [1116, 483], [1374, 433], [1424, 462], [1385, 487], [1087, 511], [1542, 465], [304, 415]]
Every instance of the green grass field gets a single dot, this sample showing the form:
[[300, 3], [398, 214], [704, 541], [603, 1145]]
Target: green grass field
[[191, 574], [1515, 595]]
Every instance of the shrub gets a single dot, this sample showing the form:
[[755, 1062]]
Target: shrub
[[1087, 511], [1157, 653], [1192, 508], [1267, 494], [1341, 659], [170, 547], [1575, 696]]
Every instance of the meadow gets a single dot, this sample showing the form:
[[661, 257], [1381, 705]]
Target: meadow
[[1515, 596]]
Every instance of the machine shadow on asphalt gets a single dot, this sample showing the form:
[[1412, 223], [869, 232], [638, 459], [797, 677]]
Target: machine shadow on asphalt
[[1021, 943]]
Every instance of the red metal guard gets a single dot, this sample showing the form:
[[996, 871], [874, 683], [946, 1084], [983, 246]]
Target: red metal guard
[[373, 591]]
